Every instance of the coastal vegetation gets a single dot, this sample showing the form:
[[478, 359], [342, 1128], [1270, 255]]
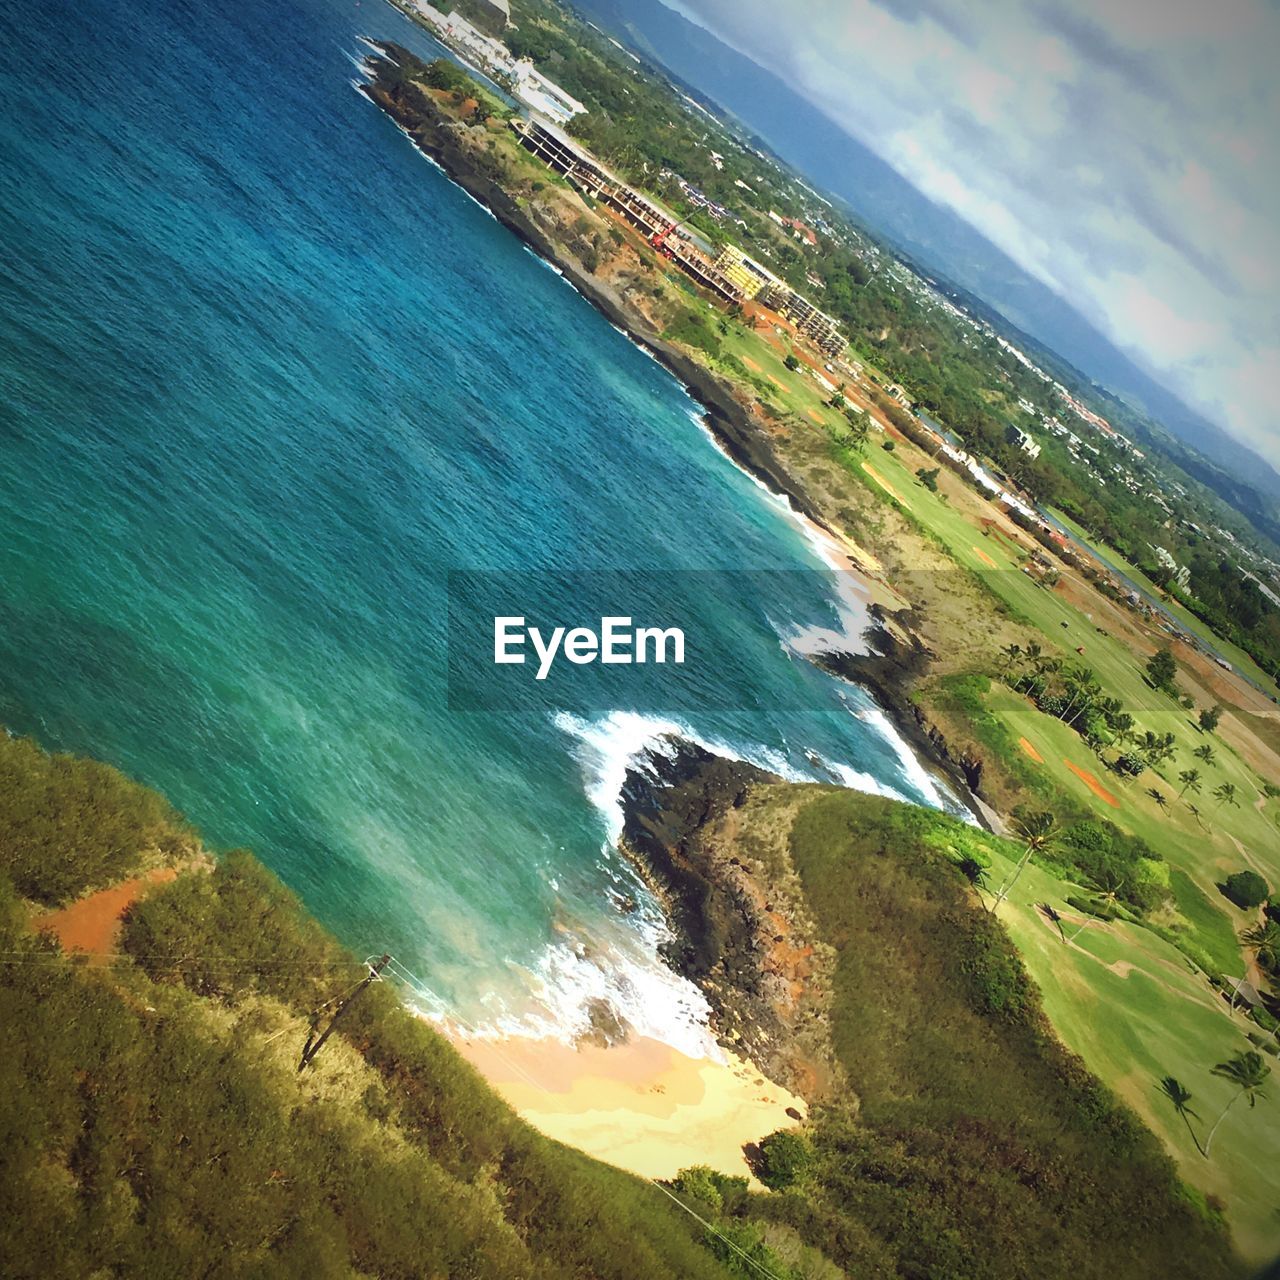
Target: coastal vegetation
[[156, 1119], [163, 1119], [659, 134], [966, 1140]]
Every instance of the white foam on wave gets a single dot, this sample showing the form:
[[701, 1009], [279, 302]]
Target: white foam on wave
[[541, 261], [630, 976], [608, 747], [362, 63], [852, 598]]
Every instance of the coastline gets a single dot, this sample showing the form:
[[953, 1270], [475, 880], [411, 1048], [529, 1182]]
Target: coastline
[[731, 424], [897, 657], [640, 1105]]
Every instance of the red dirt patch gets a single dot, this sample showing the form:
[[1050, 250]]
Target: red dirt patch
[[986, 559], [1031, 751], [751, 364], [816, 416], [1092, 783], [90, 925]]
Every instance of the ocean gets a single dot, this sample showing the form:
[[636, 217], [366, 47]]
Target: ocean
[[268, 377]]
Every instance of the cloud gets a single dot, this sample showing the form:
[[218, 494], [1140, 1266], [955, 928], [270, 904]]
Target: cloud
[[1127, 156]]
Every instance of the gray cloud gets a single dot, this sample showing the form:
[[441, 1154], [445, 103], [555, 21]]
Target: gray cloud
[[1128, 156]]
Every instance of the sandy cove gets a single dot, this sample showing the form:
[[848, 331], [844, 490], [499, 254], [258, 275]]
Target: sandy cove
[[642, 1106]]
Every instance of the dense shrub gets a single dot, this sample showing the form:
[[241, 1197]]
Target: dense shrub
[[1247, 889], [783, 1159], [69, 824]]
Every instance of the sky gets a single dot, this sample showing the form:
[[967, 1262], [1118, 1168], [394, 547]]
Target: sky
[[1126, 153]]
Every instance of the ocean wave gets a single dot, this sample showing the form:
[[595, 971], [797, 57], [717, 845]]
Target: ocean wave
[[610, 745]]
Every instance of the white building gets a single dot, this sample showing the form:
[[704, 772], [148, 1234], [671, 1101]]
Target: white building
[[539, 94], [1015, 435]]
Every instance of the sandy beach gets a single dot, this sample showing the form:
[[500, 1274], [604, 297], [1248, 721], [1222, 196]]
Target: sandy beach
[[642, 1106]]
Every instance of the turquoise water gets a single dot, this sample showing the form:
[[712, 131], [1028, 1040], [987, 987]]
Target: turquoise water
[[267, 376]]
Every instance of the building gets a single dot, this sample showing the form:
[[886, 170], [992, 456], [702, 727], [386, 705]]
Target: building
[[744, 271], [557, 150], [1178, 573], [733, 277], [490, 55], [815, 324], [494, 13], [540, 94], [1015, 435]]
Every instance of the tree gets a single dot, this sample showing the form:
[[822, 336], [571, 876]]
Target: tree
[[1247, 889], [792, 362], [928, 478], [1248, 1073], [1038, 831], [1162, 670], [1205, 753], [1190, 779], [1181, 1099], [1155, 748], [1082, 687], [1210, 716], [1264, 941], [784, 1158], [1226, 794], [1012, 654]]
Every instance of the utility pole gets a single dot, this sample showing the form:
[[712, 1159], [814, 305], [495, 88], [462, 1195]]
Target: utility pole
[[316, 1037]]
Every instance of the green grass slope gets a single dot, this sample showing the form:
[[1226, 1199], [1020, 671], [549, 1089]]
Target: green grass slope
[[154, 1123], [981, 1146]]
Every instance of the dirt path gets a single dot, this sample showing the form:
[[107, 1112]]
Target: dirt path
[[1031, 751], [91, 924]]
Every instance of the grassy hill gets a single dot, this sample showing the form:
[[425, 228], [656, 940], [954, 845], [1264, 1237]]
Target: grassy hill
[[977, 1144], [155, 1122]]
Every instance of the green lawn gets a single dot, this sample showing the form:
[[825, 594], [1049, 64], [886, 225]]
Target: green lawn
[[1206, 852], [1232, 652], [1134, 1010]]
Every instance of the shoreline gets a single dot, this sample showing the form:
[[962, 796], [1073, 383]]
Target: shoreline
[[887, 676], [639, 1105]]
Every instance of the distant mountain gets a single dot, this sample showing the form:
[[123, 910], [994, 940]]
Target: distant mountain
[[937, 239]]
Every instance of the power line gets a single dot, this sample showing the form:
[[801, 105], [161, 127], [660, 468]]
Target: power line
[[302, 968], [406, 975]]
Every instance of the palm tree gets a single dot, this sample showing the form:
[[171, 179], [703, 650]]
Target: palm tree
[[1190, 779], [1156, 748], [1181, 1099], [1264, 941], [1053, 918], [1248, 1073], [1226, 794], [1012, 654], [973, 871], [1037, 831], [1205, 753], [1083, 687], [1106, 886]]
